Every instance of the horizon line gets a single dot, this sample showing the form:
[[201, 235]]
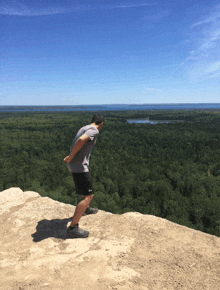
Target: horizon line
[[115, 104]]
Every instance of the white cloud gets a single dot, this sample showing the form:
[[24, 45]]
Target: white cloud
[[134, 5], [213, 68], [20, 9], [199, 71], [152, 89], [212, 18], [203, 61]]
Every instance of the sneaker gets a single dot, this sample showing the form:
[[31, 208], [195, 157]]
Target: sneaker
[[76, 232], [91, 210]]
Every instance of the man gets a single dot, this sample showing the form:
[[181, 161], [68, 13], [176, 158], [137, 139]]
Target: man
[[78, 162]]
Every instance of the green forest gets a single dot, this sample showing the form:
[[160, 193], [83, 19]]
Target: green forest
[[170, 170]]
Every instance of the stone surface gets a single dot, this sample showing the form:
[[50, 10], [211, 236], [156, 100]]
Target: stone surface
[[129, 251]]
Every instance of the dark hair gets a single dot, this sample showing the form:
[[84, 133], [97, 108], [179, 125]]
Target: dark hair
[[98, 119]]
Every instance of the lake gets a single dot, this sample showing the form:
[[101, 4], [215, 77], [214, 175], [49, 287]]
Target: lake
[[153, 122]]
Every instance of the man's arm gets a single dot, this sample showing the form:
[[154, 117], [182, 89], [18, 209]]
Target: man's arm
[[78, 146]]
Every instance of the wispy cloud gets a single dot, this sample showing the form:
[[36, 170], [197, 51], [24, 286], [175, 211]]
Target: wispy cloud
[[152, 89], [213, 68], [214, 17], [20, 9], [134, 5], [203, 61]]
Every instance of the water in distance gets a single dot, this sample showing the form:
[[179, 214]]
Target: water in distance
[[113, 107], [153, 122]]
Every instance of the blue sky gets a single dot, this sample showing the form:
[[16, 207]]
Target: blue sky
[[80, 52]]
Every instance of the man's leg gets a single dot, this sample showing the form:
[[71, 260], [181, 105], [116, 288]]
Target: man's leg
[[81, 208]]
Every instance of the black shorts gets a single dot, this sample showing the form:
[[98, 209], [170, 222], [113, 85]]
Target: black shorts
[[83, 183]]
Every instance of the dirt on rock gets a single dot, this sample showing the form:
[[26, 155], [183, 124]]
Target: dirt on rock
[[122, 252]]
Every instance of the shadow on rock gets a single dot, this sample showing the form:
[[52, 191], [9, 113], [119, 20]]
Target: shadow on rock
[[51, 229]]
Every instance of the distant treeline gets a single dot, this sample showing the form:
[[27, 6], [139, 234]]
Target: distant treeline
[[168, 170]]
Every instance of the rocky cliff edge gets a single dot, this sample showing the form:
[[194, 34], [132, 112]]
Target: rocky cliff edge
[[129, 251]]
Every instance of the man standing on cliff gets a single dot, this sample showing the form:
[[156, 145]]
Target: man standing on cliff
[[78, 162]]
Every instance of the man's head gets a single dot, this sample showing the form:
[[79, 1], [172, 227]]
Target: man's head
[[98, 120]]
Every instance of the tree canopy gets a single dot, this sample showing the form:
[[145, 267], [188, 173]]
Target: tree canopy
[[171, 170]]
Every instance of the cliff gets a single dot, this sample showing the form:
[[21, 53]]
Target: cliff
[[129, 251]]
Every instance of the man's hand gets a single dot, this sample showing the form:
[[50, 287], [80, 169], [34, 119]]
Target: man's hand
[[67, 159]]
